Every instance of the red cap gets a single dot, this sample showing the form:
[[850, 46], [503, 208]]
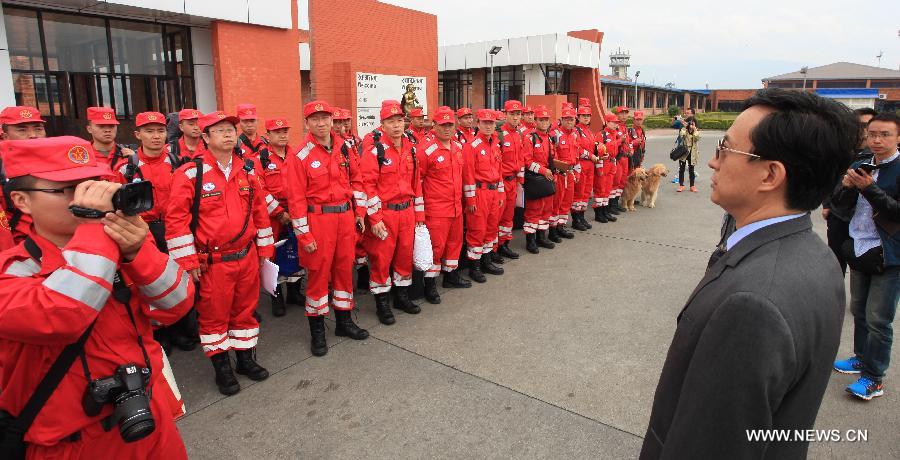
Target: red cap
[[500, 115], [463, 111], [316, 107], [59, 159], [390, 110], [528, 109], [189, 114], [213, 118], [246, 111], [541, 112], [610, 117], [416, 112], [583, 101], [638, 115], [486, 115], [567, 105], [277, 123], [345, 114], [20, 114], [512, 105], [584, 110], [389, 102], [568, 112], [443, 115], [102, 116], [149, 118], [621, 108]]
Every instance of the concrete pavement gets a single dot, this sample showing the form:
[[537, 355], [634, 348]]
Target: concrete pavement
[[558, 358]]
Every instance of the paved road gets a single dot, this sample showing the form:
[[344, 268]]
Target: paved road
[[558, 358]]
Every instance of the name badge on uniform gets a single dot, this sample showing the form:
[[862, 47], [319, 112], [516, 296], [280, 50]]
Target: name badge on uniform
[[563, 142], [506, 144], [210, 195], [315, 164], [272, 166], [440, 159], [209, 186], [483, 152], [537, 146], [387, 161]]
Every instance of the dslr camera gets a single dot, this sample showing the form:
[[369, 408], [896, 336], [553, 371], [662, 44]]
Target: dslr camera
[[126, 390]]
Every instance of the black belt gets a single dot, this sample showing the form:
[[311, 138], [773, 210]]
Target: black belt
[[215, 257], [328, 209], [509, 178], [487, 186], [398, 206]]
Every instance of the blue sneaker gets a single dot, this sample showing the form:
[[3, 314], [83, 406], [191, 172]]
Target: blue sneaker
[[866, 389], [675, 180], [850, 365]]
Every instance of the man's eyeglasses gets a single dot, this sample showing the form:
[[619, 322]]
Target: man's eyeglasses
[[55, 191], [720, 147], [879, 134], [223, 131]]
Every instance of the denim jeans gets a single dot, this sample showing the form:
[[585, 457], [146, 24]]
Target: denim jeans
[[873, 303]]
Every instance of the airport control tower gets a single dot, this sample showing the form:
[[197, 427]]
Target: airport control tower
[[619, 62]]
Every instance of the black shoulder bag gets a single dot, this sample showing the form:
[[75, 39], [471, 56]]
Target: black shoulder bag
[[536, 185]]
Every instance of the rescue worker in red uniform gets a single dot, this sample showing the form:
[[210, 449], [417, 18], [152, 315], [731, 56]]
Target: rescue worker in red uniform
[[103, 128], [417, 127], [638, 139], [327, 206], [587, 150], [513, 171], [603, 183], [622, 160], [17, 123], [395, 207], [528, 119], [467, 129], [483, 192], [343, 123], [60, 287], [186, 146], [539, 151], [567, 150], [270, 168], [441, 163], [250, 142], [222, 247]]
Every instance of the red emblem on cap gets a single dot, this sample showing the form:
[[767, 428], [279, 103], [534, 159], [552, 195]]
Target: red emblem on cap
[[319, 108], [279, 123], [394, 110], [107, 116], [248, 112], [220, 115], [195, 114], [446, 117], [151, 117], [79, 155], [26, 114]]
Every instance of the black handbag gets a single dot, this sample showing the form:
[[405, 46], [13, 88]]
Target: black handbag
[[870, 263], [680, 152], [536, 185]]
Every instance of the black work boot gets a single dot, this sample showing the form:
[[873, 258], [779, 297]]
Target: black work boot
[[576, 221], [431, 292], [530, 243], [317, 345], [613, 206], [475, 271], [225, 379], [247, 365], [162, 336], [488, 267], [505, 251], [278, 307], [561, 231], [383, 309], [599, 215], [554, 236], [584, 222], [618, 205], [542, 240], [402, 302], [294, 296], [453, 280], [496, 258], [610, 216], [345, 327]]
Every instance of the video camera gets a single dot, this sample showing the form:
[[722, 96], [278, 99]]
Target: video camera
[[132, 199]]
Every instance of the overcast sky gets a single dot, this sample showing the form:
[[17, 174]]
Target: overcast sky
[[692, 43]]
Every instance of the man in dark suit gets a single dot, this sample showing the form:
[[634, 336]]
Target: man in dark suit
[[754, 344]]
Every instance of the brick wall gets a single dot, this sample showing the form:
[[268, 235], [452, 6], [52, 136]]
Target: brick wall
[[719, 95], [479, 83], [349, 36], [586, 82], [258, 65]]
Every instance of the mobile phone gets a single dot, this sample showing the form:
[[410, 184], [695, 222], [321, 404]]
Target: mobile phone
[[867, 167]]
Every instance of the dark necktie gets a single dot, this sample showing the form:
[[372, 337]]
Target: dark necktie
[[716, 255]]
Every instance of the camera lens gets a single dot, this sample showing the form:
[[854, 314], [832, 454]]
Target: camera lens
[[132, 410]]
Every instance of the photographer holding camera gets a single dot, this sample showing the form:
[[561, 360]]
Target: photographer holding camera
[[83, 287], [689, 136]]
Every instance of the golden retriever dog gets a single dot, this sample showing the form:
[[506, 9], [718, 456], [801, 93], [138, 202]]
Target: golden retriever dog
[[650, 187], [633, 186]]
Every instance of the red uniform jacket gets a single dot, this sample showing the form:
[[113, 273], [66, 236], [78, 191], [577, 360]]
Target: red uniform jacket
[[482, 161], [624, 144], [423, 136], [274, 181], [567, 146], [111, 160], [395, 181], [318, 177], [47, 304], [537, 149], [637, 138], [250, 148], [610, 139], [465, 135], [441, 169], [586, 142], [183, 150], [513, 159], [224, 205], [157, 170]]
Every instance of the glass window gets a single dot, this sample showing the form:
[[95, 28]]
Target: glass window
[[660, 100], [76, 43], [509, 83], [137, 48], [24, 39]]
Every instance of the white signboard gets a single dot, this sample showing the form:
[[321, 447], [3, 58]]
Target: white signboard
[[372, 88]]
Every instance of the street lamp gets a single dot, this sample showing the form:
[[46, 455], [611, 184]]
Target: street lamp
[[803, 70], [636, 75], [493, 52]]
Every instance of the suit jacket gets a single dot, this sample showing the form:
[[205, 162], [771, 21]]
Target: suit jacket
[[753, 349]]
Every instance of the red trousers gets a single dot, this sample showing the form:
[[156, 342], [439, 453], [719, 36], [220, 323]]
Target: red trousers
[[163, 444], [603, 182], [562, 200], [446, 243], [511, 189], [582, 194], [621, 176], [396, 250], [229, 293], [538, 213], [482, 226], [331, 263]]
